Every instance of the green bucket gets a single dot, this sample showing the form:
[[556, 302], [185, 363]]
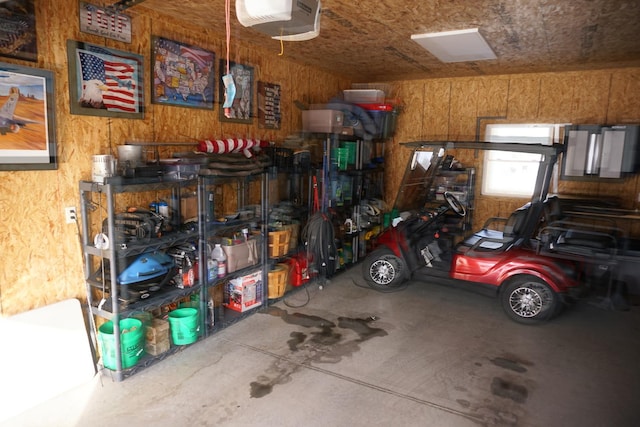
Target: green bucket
[[184, 326], [131, 343]]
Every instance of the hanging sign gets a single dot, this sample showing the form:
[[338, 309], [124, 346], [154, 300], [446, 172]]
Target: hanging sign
[[105, 23]]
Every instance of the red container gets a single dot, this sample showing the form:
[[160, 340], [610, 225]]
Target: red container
[[298, 269]]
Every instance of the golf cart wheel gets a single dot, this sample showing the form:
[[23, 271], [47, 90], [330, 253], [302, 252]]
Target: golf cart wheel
[[529, 300], [383, 270]]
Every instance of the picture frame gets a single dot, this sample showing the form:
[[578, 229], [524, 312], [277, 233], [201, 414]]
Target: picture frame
[[241, 111], [18, 30], [269, 112], [27, 118], [182, 75], [105, 82]]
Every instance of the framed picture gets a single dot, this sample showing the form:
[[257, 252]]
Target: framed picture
[[269, 115], [104, 81], [241, 111], [27, 118], [18, 30], [182, 75]]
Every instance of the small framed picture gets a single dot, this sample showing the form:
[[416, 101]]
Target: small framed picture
[[182, 75], [18, 30], [241, 110], [269, 114], [27, 118], [104, 81]]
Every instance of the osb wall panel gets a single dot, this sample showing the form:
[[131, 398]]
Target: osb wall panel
[[452, 106], [42, 259], [624, 102]]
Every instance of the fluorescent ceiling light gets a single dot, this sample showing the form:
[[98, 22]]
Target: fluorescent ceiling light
[[456, 46]]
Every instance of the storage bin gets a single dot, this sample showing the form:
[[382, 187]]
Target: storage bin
[[242, 255], [363, 96], [279, 243], [322, 121]]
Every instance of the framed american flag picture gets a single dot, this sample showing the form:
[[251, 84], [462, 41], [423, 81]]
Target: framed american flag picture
[[104, 81]]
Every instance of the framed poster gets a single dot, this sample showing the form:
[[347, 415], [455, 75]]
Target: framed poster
[[269, 116], [27, 118], [182, 75], [104, 81], [18, 30], [241, 111]]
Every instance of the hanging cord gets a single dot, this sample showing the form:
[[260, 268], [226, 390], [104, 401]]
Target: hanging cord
[[227, 11]]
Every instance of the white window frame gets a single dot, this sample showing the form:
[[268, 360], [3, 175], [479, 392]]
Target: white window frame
[[509, 174]]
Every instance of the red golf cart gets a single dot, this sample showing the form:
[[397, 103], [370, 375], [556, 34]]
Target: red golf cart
[[502, 259]]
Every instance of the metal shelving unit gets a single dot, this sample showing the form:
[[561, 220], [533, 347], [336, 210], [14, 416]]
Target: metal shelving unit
[[104, 294], [210, 230]]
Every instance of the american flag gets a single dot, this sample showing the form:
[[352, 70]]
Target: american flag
[[200, 57], [117, 75]]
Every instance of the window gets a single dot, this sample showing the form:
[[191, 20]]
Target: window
[[514, 174]]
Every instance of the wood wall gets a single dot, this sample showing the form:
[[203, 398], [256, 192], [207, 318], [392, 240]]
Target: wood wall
[[41, 260], [451, 108]]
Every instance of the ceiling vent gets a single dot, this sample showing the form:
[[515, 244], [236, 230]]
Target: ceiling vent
[[456, 46], [289, 20]]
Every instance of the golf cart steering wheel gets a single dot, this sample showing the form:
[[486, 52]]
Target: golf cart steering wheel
[[455, 204]]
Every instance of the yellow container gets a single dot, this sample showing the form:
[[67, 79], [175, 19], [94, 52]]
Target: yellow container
[[278, 281], [279, 243]]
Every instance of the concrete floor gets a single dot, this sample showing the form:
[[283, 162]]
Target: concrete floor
[[425, 356]]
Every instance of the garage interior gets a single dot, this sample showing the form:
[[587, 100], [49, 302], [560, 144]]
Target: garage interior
[[427, 355]]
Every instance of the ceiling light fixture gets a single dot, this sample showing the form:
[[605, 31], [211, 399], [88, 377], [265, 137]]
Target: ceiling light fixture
[[456, 46]]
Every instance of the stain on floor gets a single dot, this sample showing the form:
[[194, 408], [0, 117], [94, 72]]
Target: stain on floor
[[321, 341]]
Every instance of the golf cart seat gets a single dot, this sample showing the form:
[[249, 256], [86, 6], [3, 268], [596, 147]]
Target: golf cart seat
[[500, 234], [578, 236]]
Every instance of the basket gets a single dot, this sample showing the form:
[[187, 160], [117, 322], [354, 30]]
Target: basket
[[279, 243], [295, 230], [278, 281]]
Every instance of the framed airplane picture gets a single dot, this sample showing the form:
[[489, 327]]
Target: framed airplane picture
[[27, 118]]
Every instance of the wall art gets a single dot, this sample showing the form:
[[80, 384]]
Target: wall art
[[18, 30], [241, 111], [27, 118], [104, 81], [269, 115], [182, 75]]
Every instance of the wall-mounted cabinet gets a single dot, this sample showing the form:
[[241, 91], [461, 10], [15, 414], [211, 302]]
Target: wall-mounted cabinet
[[594, 152]]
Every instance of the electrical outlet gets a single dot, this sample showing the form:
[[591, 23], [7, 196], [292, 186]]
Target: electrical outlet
[[70, 214]]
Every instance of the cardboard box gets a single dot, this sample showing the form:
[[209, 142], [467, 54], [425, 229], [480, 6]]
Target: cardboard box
[[157, 331], [244, 293], [242, 255], [322, 121], [157, 348], [188, 208]]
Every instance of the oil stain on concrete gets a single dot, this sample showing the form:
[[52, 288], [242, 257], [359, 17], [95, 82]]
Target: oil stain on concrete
[[319, 341]]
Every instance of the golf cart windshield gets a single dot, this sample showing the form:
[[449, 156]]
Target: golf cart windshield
[[428, 157]]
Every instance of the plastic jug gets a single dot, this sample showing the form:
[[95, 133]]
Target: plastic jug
[[219, 255]]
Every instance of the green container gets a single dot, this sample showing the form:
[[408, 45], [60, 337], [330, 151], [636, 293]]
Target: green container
[[131, 343], [184, 326], [351, 151], [342, 155]]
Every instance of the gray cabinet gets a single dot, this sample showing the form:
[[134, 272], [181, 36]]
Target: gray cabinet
[[594, 151]]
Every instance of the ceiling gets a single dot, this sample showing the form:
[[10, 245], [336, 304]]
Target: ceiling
[[370, 40]]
